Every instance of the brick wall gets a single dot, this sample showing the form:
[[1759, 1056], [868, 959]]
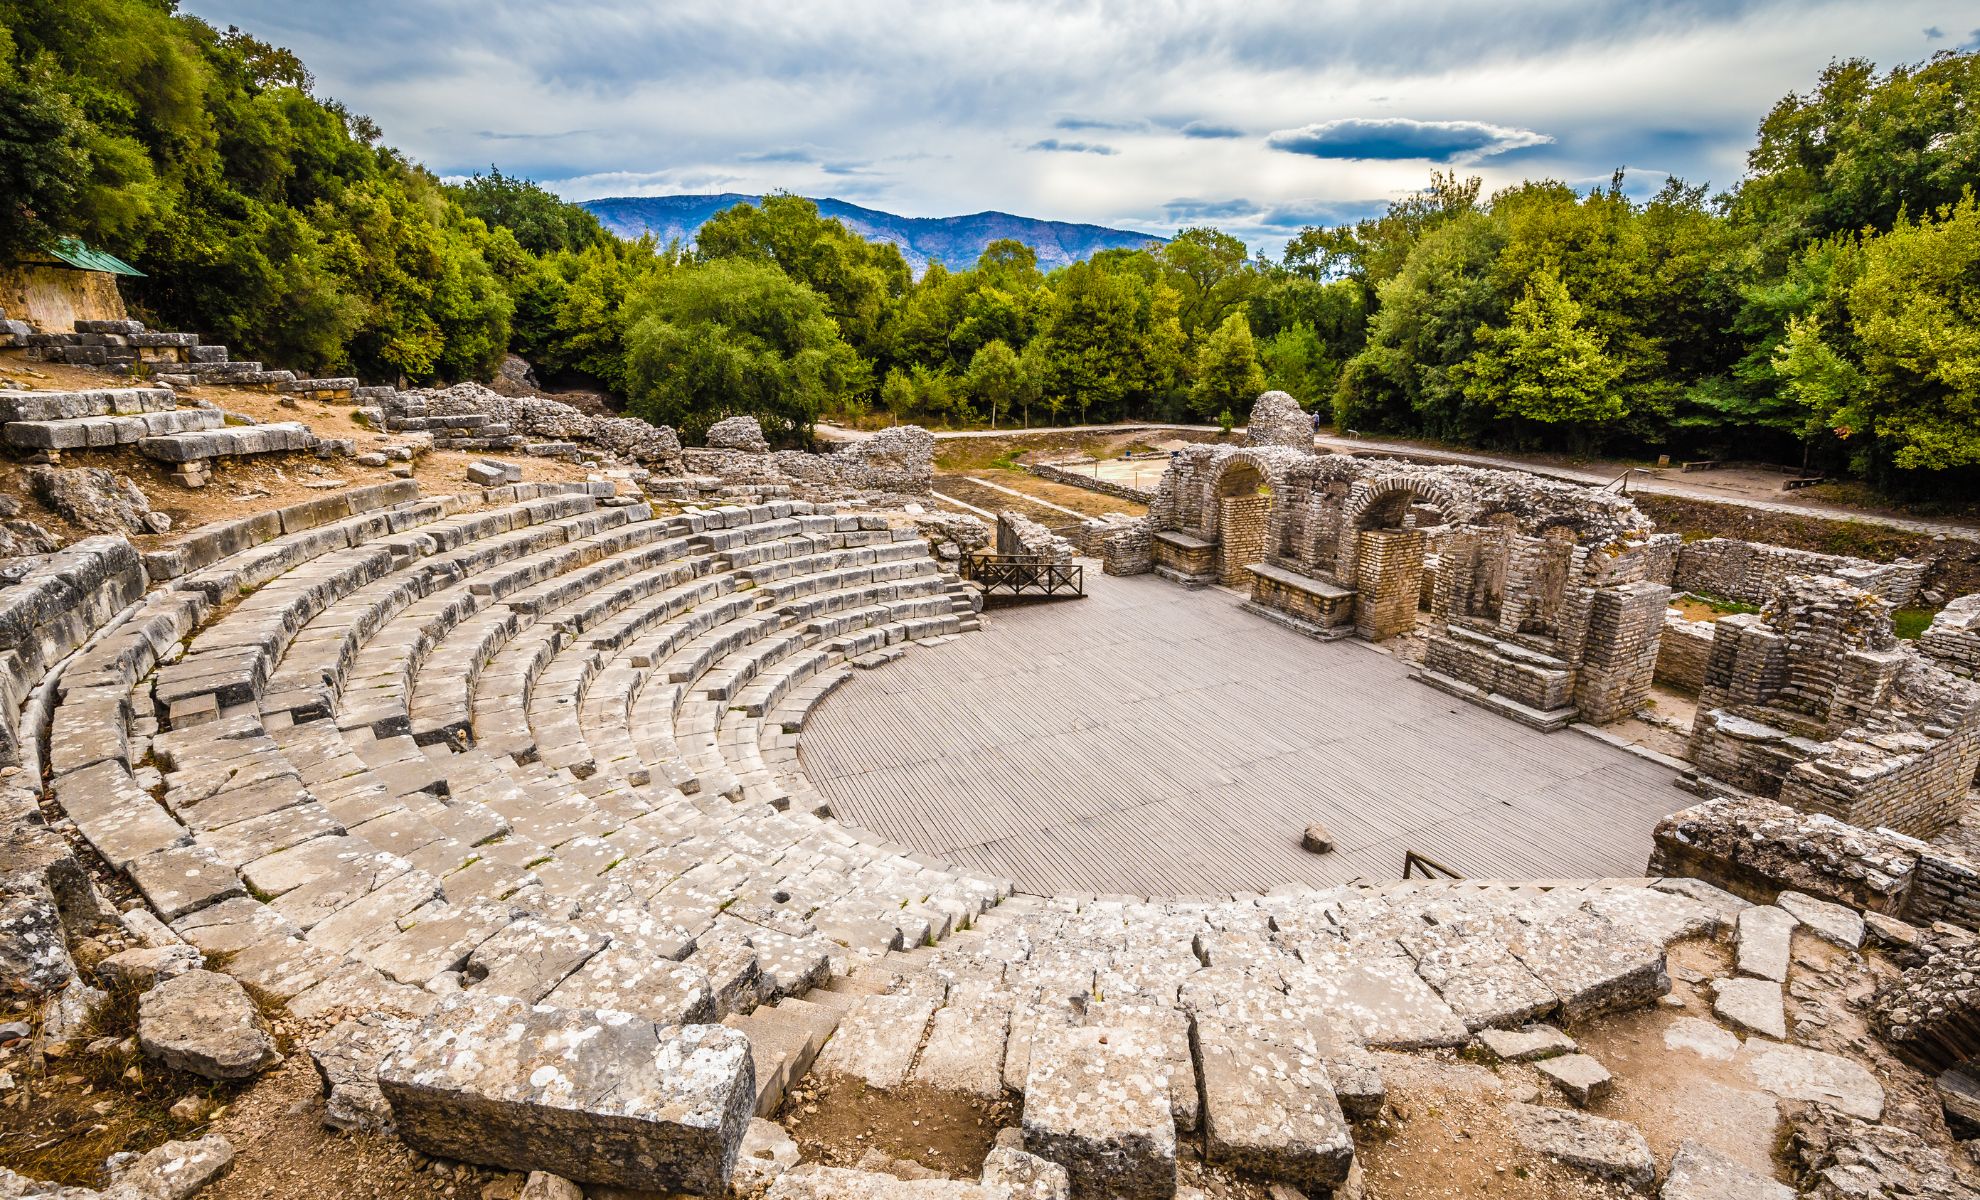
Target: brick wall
[[1241, 538], [1390, 582], [1682, 652]]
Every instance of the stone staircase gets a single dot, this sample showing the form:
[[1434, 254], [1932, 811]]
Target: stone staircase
[[170, 359]]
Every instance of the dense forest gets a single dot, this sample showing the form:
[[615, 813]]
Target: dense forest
[[1826, 309]]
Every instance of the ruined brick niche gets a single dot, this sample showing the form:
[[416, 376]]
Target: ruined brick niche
[[1814, 702], [1543, 600]]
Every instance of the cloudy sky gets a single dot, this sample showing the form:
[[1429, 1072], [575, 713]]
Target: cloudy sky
[[1258, 116]]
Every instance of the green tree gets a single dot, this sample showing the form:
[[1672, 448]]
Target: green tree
[[540, 221], [729, 337], [998, 379], [860, 281], [1891, 364], [1227, 374], [1545, 365]]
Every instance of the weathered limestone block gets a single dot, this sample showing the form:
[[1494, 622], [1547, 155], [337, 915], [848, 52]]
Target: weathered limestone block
[[1831, 922], [173, 1171], [347, 1060], [1592, 964], [1797, 1073], [204, 1022], [144, 968], [34, 953], [1763, 942], [1699, 1172], [598, 1097], [1610, 1149], [531, 957], [1269, 1104], [1478, 977], [1530, 1044], [1751, 1006], [738, 433], [1581, 1078], [1092, 1105], [965, 1051], [1379, 997], [1027, 1176], [876, 1041]]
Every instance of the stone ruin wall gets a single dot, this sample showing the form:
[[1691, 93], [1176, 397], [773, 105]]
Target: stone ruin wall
[[1757, 849], [1953, 638], [1052, 473], [1683, 651], [1815, 701], [1752, 572]]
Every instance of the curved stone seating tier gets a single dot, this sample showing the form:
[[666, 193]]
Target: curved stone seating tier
[[437, 753], [332, 763]]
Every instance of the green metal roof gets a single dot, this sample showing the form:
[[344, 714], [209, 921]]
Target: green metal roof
[[73, 252]]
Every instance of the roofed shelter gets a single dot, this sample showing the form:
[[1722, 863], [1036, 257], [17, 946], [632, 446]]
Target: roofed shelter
[[67, 283]]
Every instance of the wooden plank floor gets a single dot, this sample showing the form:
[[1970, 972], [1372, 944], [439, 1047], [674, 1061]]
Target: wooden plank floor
[[1159, 741]]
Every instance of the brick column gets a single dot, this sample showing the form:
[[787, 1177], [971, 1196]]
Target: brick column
[[1389, 581], [1619, 654]]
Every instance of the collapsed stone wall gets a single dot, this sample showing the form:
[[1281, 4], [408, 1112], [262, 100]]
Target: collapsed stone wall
[[1752, 572], [1953, 638], [1815, 701], [1019, 534], [536, 418], [899, 460], [1760, 848], [1053, 473]]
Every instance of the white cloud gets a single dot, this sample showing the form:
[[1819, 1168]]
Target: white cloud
[[930, 109]]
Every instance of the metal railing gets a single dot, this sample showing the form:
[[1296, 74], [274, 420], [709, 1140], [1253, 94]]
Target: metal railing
[[1024, 574], [1429, 868]]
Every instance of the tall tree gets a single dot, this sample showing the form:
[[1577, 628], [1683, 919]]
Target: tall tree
[[1227, 375]]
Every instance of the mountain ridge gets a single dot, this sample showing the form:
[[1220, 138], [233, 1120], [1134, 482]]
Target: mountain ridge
[[956, 242]]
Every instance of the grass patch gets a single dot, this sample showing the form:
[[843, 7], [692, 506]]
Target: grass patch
[[1722, 605], [1909, 623]]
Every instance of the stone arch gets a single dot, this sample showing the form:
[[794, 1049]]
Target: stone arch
[[1374, 497], [1240, 495]]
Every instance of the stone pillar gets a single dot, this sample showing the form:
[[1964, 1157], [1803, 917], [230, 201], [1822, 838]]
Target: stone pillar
[[1241, 538], [1619, 653], [1389, 581]]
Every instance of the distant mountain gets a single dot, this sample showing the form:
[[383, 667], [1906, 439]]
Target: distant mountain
[[955, 242]]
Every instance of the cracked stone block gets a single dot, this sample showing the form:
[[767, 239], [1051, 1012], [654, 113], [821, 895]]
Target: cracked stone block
[[1831, 922], [1526, 1045], [1699, 1172], [1092, 1105], [596, 1097], [965, 1051], [1763, 941], [1478, 977], [347, 1061], [141, 969], [1025, 1176], [34, 954], [1751, 1006], [205, 1023], [876, 1041], [1269, 1104], [531, 957], [1661, 916], [1379, 997], [1796, 1073], [1609, 1149], [1592, 964], [1579, 1077]]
